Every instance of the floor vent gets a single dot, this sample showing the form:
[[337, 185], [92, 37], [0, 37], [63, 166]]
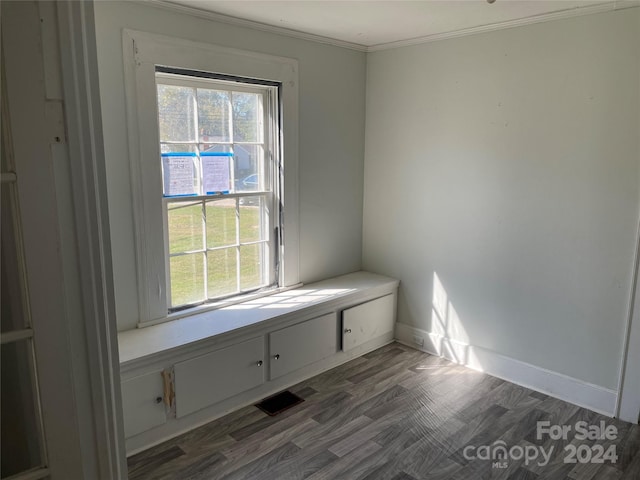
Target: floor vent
[[279, 402]]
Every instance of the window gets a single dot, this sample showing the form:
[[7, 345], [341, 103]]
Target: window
[[213, 140], [219, 151]]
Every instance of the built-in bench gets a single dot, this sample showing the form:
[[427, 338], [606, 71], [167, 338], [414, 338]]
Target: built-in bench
[[186, 372]]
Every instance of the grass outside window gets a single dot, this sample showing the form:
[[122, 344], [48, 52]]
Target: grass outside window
[[219, 224]]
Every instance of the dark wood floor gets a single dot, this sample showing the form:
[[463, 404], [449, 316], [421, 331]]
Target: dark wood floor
[[398, 414]]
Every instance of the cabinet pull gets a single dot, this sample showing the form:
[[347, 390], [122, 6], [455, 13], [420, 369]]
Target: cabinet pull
[[347, 330], [158, 400], [259, 363], [276, 356]]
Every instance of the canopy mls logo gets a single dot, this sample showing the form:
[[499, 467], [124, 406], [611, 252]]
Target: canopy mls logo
[[500, 455], [583, 447]]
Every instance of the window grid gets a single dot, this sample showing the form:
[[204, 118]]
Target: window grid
[[263, 195], [235, 245]]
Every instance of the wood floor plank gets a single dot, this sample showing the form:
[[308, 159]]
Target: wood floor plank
[[330, 432], [302, 464], [607, 472], [522, 474], [505, 393], [357, 408], [266, 440], [312, 466], [331, 471], [403, 476], [316, 441], [261, 467], [393, 414], [632, 471], [221, 427], [320, 403], [429, 458], [369, 464], [145, 463], [362, 436], [203, 467], [629, 447], [385, 366]]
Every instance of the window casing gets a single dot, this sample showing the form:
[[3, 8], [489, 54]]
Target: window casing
[[148, 57]]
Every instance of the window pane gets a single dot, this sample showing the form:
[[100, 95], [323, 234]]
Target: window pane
[[14, 316], [204, 148], [221, 223], [216, 161], [177, 148], [185, 223], [247, 161], [187, 279], [251, 266], [176, 113], [251, 224], [222, 275], [20, 418], [247, 124], [213, 115]]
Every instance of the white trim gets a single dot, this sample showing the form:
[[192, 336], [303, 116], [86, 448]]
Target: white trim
[[60, 189], [164, 342], [564, 387], [176, 427], [37, 195], [241, 22], [628, 399], [544, 17], [216, 305], [142, 52], [88, 182], [519, 22]]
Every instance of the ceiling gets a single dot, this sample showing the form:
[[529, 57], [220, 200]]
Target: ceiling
[[379, 23]]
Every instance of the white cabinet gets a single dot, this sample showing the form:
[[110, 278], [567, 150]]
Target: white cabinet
[[367, 321], [142, 403], [210, 378], [303, 344], [222, 359]]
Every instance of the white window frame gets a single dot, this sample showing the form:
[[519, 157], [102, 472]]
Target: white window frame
[[142, 53], [269, 191]]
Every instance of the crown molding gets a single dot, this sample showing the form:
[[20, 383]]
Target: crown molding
[[545, 17], [241, 22]]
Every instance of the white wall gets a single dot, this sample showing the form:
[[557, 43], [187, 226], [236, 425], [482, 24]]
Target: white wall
[[332, 102], [507, 165]]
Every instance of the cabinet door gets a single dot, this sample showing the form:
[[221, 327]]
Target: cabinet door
[[142, 403], [206, 380], [294, 347], [367, 321]]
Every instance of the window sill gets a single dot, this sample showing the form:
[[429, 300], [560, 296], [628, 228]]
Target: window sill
[[200, 309], [152, 343]]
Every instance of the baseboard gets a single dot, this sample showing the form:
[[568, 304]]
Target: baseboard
[[569, 389]]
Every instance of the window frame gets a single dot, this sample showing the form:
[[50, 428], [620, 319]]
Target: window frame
[[143, 53], [268, 193]]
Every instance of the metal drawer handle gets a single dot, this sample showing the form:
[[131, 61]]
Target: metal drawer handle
[[259, 363], [347, 330], [276, 356], [158, 400]]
